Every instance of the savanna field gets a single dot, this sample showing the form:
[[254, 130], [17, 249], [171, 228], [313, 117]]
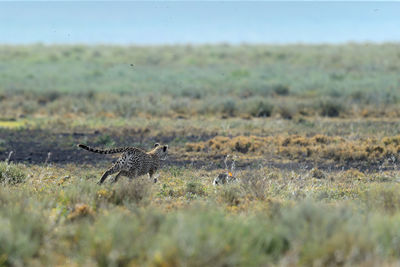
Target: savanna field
[[313, 131]]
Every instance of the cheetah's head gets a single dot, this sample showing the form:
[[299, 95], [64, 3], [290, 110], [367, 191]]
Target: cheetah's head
[[161, 151]]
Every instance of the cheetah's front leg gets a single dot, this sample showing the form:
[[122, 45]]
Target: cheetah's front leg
[[153, 175]]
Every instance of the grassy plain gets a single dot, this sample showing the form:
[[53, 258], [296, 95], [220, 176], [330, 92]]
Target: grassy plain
[[314, 131]]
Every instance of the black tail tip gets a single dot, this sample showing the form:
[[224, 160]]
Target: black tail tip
[[80, 145]]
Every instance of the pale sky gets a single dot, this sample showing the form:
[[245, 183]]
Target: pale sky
[[198, 22]]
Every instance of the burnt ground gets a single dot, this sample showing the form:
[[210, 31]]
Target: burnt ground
[[34, 146]]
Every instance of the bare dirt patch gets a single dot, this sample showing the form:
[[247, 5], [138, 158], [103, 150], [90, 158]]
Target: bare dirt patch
[[34, 146], [201, 151]]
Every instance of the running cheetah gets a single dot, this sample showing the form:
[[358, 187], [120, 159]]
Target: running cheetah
[[134, 161]]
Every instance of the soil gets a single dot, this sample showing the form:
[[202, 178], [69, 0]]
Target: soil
[[34, 146]]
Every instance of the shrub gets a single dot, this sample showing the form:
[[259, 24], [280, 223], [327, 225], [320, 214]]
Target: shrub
[[194, 188], [194, 237], [262, 109], [331, 108], [286, 112], [231, 194], [193, 93], [48, 96], [199, 237], [228, 107], [328, 237], [11, 173], [29, 106], [21, 236], [255, 184], [124, 108], [225, 145], [322, 139], [385, 198], [81, 211], [351, 175], [135, 191], [242, 145], [181, 106], [281, 89], [105, 140], [116, 239], [317, 173], [393, 140]]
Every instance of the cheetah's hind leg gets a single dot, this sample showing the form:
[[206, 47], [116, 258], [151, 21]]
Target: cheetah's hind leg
[[112, 170], [121, 173]]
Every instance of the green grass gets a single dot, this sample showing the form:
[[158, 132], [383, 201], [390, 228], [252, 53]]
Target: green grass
[[308, 110], [11, 173], [268, 217], [344, 80]]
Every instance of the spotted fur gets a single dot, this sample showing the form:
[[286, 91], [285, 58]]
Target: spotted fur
[[133, 162]]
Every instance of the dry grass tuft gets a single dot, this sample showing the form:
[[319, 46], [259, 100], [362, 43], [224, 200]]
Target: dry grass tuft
[[318, 148], [81, 211], [351, 175], [12, 173], [226, 145], [136, 191], [317, 173]]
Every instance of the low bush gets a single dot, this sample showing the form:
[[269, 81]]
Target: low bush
[[136, 191], [281, 89], [231, 194], [229, 107], [194, 188], [22, 235], [12, 173], [261, 109], [286, 112], [331, 108], [255, 184]]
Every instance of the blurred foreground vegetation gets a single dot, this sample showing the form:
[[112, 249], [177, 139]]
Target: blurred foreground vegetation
[[59, 216]]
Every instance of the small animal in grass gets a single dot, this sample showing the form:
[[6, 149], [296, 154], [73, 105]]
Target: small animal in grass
[[226, 177], [133, 162]]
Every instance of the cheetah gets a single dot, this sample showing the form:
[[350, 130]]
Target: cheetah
[[133, 162]]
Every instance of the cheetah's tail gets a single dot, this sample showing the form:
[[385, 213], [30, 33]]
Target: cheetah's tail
[[106, 151]]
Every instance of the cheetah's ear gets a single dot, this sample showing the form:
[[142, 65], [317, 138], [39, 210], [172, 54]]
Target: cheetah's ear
[[165, 148], [156, 144]]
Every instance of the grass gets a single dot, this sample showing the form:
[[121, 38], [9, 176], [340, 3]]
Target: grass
[[269, 217], [13, 124], [11, 173], [348, 80], [313, 130], [318, 148]]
